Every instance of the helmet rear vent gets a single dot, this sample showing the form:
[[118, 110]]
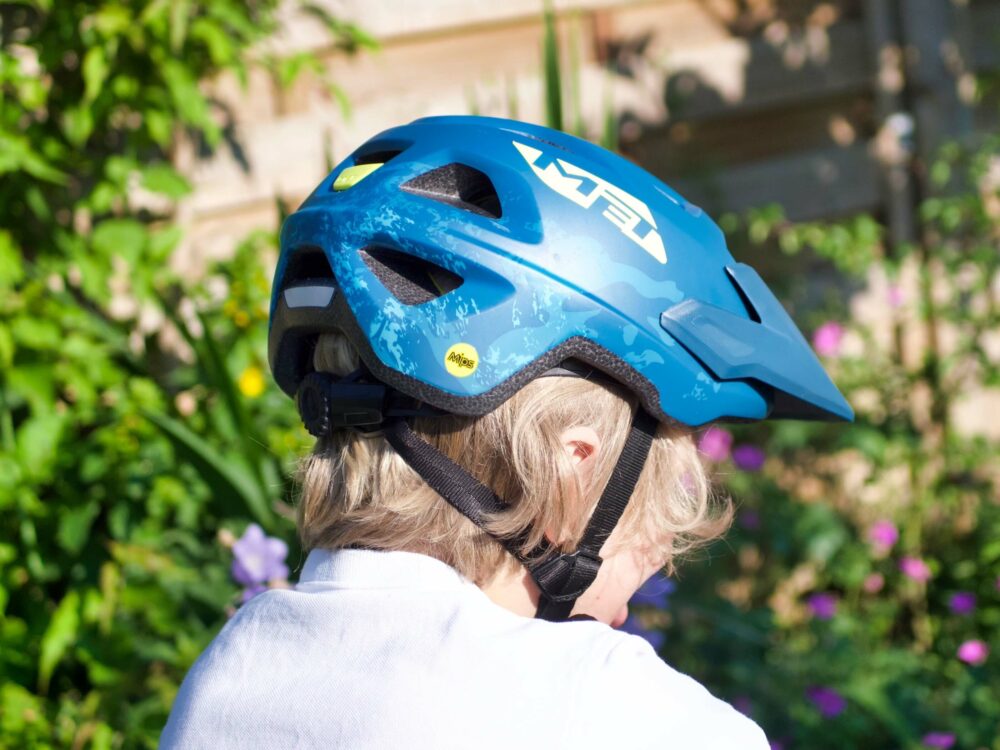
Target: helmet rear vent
[[411, 280], [377, 157], [307, 263], [458, 185]]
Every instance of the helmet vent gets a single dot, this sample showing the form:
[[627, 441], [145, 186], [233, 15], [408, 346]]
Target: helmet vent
[[377, 157], [458, 185], [307, 263], [411, 280]]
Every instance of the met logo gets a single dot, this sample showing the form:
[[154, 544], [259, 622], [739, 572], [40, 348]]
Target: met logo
[[624, 210]]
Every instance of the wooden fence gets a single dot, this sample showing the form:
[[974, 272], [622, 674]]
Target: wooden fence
[[814, 105]]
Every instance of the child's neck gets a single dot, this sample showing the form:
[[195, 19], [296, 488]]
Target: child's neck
[[515, 592]]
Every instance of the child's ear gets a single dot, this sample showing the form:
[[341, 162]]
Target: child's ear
[[582, 446]]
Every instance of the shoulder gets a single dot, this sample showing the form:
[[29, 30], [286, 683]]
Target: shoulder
[[648, 703]]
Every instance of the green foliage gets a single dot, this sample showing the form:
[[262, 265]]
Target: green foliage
[[922, 344], [135, 420]]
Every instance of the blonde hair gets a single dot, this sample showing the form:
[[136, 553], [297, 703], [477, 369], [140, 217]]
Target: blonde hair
[[357, 491]]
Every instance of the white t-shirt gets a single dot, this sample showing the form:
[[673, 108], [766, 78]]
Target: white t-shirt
[[388, 650]]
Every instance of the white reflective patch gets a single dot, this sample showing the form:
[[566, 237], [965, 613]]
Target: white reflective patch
[[624, 210], [308, 296]]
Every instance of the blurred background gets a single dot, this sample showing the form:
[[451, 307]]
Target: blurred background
[[148, 152]]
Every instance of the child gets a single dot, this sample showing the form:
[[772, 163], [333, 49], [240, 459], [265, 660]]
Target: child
[[501, 336]]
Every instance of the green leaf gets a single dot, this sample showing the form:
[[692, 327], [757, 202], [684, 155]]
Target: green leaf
[[74, 526], [187, 98], [159, 125], [58, 637], [78, 124], [16, 154], [11, 267], [124, 237], [37, 440], [34, 383], [179, 12], [112, 20], [163, 179], [553, 78], [95, 72], [36, 333], [162, 243], [19, 707], [228, 479], [220, 45]]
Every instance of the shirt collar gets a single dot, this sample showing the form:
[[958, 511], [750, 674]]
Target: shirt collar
[[363, 568]]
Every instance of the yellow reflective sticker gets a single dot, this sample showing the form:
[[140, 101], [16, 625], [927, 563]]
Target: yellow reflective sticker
[[461, 360], [353, 175]]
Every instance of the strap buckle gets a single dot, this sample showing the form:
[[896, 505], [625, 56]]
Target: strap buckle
[[567, 576], [325, 404]]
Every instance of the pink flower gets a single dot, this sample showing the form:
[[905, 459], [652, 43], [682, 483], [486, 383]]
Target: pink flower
[[883, 535], [826, 339], [748, 457], [915, 568], [715, 443], [873, 583], [962, 603], [823, 605], [894, 296], [942, 740], [973, 652]]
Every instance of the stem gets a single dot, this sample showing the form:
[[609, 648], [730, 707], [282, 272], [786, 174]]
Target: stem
[[6, 422]]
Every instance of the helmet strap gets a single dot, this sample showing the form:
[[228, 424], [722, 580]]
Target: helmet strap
[[560, 577]]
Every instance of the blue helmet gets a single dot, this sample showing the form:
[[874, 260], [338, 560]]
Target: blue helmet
[[465, 256]]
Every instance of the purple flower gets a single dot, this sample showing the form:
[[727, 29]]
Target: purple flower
[[743, 704], [715, 443], [655, 638], [776, 745], [655, 592], [823, 605], [942, 740], [973, 652], [826, 339], [748, 457], [749, 519], [829, 702], [251, 591], [257, 558], [915, 568], [883, 534], [962, 603]]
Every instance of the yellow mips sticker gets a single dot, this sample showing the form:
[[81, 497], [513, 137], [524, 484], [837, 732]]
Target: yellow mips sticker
[[461, 360]]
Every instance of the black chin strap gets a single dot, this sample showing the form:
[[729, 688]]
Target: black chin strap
[[326, 403], [562, 578]]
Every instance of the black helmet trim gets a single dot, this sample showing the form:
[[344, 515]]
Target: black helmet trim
[[293, 337]]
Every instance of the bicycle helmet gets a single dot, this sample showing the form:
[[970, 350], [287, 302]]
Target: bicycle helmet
[[465, 256]]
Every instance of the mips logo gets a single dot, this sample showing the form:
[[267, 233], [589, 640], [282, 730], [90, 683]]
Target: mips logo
[[624, 210], [461, 360]]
